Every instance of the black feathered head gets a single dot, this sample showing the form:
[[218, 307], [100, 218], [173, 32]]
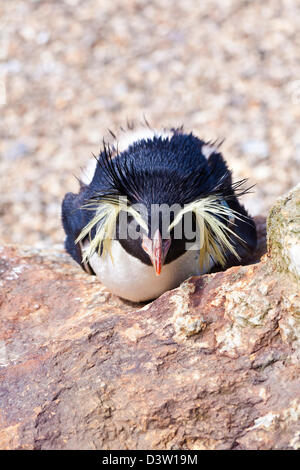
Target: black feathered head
[[174, 170]]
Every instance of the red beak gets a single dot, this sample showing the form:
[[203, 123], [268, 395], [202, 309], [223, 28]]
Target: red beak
[[156, 249]]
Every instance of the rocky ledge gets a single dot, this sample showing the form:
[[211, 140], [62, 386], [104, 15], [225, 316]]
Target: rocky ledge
[[213, 364]]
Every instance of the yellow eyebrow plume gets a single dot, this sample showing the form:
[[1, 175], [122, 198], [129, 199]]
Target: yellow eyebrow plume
[[105, 221], [214, 233]]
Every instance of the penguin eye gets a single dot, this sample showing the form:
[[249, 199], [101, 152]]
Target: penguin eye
[[216, 237], [107, 212]]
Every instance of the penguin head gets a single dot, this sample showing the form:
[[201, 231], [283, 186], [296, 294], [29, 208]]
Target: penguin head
[[156, 198]]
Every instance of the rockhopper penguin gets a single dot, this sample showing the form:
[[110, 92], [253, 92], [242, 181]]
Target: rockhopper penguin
[[154, 209]]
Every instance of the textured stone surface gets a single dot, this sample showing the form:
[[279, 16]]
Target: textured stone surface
[[284, 233], [213, 364]]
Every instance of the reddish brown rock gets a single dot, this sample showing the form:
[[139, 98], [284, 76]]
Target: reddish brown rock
[[213, 364]]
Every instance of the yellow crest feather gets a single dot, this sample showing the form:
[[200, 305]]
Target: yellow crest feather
[[214, 233], [105, 222]]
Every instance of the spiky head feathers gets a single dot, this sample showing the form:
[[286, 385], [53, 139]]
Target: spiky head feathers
[[170, 171]]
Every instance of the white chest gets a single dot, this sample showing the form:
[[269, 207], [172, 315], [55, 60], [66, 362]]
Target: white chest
[[127, 277]]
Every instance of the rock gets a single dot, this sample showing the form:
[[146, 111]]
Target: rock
[[284, 233], [213, 364], [17, 151], [258, 148]]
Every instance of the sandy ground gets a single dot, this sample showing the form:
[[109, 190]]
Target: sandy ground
[[69, 70]]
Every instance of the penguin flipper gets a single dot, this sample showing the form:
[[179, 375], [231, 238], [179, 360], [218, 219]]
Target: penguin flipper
[[74, 219], [245, 229]]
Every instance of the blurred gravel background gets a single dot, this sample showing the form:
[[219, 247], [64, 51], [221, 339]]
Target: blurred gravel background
[[71, 69]]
